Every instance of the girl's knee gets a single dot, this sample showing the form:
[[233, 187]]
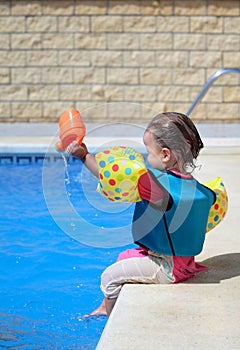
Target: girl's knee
[[109, 286]]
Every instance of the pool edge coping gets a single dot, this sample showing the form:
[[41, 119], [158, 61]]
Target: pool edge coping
[[46, 144]]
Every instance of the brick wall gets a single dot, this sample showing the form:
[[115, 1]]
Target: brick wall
[[59, 55]]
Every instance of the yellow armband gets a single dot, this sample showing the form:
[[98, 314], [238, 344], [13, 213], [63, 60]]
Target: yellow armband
[[219, 209], [119, 170]]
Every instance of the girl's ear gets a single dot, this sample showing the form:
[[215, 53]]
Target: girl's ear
[[166, 155]]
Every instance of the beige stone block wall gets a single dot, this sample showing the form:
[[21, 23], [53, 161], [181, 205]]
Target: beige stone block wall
[[63, 54]]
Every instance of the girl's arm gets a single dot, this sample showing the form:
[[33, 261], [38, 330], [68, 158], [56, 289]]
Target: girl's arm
[[81, 152]]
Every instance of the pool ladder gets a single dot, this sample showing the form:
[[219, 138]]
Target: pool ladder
[[207, 85]]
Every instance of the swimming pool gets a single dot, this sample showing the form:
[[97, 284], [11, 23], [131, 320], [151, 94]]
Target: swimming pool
[[48, 279]]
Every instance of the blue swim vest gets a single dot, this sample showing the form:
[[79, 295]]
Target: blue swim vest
[[180, 230]]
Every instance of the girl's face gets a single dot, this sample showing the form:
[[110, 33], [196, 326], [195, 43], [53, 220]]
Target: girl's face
[[156, 155]]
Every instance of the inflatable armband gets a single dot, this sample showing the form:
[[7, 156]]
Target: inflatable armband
[[119, 170], [219, 209]]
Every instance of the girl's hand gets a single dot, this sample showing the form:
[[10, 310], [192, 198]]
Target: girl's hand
[[81, 152], [78, 151]]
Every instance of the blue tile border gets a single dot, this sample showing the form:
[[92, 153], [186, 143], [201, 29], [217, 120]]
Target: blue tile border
[[25, 159]]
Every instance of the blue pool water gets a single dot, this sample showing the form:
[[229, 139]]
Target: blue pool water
[[48, 279]]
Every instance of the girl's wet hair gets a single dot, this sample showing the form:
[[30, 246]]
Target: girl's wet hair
[[177, 132]]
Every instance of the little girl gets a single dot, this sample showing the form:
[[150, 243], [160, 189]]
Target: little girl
[[169, 224]]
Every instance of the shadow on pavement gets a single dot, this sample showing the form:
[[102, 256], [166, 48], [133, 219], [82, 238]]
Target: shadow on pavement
[[220, 267]]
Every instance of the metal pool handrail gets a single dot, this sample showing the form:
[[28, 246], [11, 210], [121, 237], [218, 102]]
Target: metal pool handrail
[[209, 83]]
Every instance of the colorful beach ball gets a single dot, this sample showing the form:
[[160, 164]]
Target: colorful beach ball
[[219, 208], [119, 170]]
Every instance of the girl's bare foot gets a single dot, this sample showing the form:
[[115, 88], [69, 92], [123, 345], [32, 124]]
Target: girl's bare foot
[[100, 311]]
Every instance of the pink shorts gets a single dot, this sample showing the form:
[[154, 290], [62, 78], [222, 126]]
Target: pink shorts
[[133, 253]]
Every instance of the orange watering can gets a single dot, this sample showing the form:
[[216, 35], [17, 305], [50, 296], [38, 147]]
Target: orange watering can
[[71, 128]]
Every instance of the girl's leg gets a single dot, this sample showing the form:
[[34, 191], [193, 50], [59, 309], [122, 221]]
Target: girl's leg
[[127, 254], [109, 303], [135, 270]]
